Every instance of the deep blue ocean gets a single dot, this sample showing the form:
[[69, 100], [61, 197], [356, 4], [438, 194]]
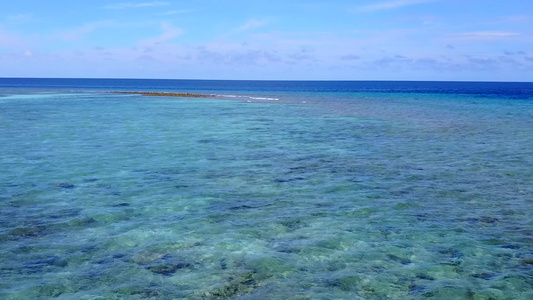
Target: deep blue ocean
[[265, 190]]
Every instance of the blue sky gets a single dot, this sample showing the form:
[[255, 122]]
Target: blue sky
[[485, 40]]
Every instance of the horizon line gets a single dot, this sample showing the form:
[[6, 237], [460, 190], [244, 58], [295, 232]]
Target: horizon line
[[272, 80]]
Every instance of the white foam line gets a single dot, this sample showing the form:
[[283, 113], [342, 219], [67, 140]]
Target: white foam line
[[249, 97], [261, 98]]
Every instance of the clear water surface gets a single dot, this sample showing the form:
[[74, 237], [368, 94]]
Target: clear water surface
[[270, 190]]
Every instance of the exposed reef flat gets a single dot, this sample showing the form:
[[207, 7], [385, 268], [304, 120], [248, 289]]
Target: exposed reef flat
[[164, 94]]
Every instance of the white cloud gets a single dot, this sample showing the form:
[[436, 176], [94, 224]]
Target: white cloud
[[350, 57], [513, 20], [10, 40], [136, 5], [486, 35], [169, 33], [78, 33], [176, 12], [20, 18], [254, 23], [392, 4]]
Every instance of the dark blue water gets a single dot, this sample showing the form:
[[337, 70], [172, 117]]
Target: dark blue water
[[519, 90], [267, 190]]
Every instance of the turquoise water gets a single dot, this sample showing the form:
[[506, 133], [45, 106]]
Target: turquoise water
[[316, 195]]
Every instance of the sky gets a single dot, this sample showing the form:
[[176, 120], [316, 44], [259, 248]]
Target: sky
[[458, 40]]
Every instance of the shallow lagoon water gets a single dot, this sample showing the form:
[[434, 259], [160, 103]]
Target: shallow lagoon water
[[318, 195]]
